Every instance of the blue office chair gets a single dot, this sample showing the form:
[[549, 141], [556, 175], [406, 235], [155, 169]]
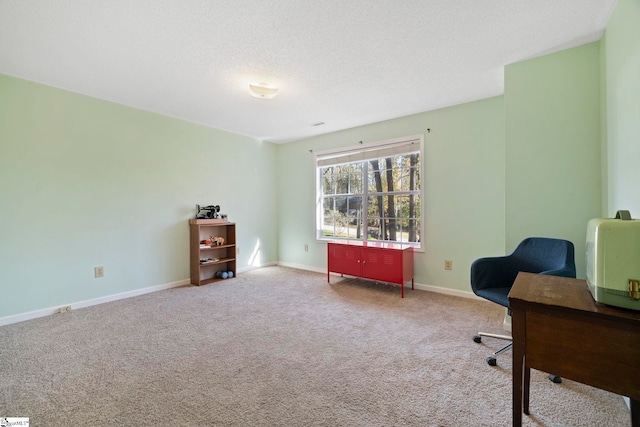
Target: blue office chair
[[492, 278]]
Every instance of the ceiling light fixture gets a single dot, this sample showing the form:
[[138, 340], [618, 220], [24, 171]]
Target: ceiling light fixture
[[263, 90]]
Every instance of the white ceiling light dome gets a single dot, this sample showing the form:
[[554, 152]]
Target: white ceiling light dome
[[263, 90]]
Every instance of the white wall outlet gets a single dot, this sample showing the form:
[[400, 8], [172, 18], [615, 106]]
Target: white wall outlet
[[448, 264], [98, 271], [237, 250], [306, 247]]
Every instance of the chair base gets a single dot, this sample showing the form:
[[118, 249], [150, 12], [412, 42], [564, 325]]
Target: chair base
[[555, 379], [492, 361]]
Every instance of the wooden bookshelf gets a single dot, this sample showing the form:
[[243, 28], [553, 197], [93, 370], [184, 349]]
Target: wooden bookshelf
[[222, 256]]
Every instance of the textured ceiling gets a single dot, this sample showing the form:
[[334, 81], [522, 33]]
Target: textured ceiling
[[342, 62]]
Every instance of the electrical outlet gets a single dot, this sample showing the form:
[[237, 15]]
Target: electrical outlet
[[98, 271], [448, 264], [237, 250], [306, 247]]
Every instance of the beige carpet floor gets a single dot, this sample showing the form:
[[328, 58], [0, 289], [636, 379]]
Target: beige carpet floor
[[278, 347]]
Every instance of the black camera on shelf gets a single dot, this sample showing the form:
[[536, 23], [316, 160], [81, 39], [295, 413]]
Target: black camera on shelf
[[207, 212]]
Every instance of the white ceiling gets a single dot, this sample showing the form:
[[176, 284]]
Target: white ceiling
[[342, 62]]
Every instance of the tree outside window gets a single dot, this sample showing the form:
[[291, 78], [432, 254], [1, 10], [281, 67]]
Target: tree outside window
[[372, 193]]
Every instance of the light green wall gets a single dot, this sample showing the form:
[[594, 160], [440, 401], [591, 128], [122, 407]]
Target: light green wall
[[621, 58], [604, 191], [85, 182], [552, 116], [496, 171], [463, 179]]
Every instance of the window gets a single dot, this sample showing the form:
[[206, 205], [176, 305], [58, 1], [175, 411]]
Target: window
[[371, 193]]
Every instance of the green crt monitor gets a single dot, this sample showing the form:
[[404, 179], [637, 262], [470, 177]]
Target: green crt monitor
[[613, 261]]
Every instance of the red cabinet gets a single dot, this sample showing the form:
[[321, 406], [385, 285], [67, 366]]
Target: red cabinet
[[384, 262]]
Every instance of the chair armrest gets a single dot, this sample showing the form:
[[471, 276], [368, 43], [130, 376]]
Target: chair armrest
[[492, 272]]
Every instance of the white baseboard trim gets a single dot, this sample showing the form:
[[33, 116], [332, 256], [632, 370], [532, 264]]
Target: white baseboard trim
[[7, 320], [447, 291], [419, 286], [254, 267], [302, 267]]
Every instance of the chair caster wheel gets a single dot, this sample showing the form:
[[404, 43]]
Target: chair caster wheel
[[477, 338], [492, 361], [555, 379]]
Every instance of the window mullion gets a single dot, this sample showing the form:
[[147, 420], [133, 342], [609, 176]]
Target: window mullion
[[365, 201]]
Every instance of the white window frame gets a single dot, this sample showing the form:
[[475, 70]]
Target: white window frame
[[363, 152]]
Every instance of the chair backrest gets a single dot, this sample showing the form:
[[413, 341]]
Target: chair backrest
[[540, 254]]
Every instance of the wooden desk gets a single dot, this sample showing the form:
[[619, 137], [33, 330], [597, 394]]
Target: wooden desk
[[557, 327]]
